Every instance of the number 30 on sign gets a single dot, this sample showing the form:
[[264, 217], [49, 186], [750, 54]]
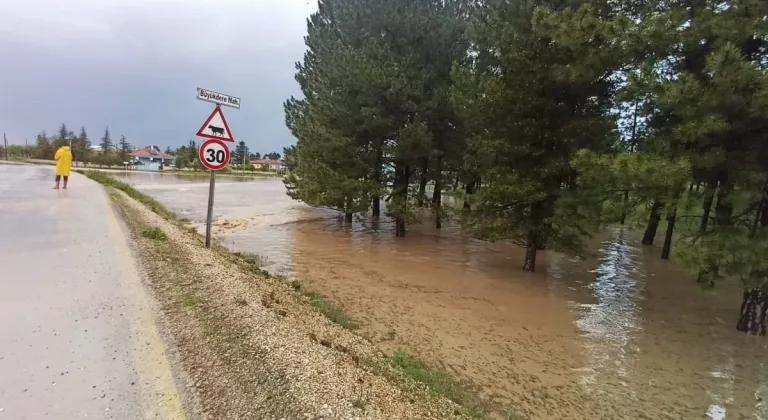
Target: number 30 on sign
[[214, 154]]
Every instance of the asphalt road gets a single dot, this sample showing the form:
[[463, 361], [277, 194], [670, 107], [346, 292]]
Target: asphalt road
[[78, 338]]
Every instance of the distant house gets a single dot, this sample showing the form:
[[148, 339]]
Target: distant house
[[150, 158], [273, 165]]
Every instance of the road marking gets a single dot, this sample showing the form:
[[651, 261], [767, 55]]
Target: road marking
[[152, 365]]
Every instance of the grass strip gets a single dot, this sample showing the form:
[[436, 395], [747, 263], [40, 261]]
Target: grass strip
[[154, 205]]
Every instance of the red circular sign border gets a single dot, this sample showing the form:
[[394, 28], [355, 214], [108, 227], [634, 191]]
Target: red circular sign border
[[208, 165]]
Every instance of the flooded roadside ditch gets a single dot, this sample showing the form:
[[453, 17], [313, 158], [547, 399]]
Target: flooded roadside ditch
[[619, 335]]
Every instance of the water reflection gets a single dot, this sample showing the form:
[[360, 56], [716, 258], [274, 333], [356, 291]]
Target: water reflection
[[621, 335], [611, 323]]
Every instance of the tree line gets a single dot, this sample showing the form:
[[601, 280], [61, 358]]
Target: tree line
[[45, 146], [551, 119], [110, 153]]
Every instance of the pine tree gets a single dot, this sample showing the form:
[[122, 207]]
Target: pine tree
[[44, 148], [540, 88], [81, 146], [241, 155], [125, 148], [106, 142], [705, 101], [63, 137]]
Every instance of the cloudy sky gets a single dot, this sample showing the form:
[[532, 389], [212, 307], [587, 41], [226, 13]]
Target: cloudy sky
[[134, 65]]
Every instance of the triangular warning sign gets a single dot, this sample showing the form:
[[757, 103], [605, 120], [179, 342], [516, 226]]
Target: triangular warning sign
[[216, 127]]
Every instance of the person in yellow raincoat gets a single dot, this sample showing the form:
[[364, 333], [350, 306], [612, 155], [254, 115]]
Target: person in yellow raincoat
[[63, 158]]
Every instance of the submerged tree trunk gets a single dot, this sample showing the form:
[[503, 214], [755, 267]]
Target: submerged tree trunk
[[348, 211], [653, 224], [423, 182], [709, 197], [400, 194], [624, 207], [532, 246], [723, 214], [754, 306], [468, 190], [437, 196], [376, 205], [671, 218]]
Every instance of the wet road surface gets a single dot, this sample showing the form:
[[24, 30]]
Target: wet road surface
[[78, 338]]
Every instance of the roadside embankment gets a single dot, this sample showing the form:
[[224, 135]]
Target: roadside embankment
[[258, 348]]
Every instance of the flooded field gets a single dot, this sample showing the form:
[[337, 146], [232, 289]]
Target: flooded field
[[620, 335]]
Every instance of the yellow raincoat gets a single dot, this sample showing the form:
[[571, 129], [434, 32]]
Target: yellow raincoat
[[63, 159]]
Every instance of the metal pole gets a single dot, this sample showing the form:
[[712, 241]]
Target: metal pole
[[5, 148], [208, 219]]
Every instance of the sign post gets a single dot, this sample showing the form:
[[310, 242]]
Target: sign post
[[214, 153]]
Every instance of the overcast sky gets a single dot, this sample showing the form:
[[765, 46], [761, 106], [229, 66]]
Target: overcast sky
[[134, 65]]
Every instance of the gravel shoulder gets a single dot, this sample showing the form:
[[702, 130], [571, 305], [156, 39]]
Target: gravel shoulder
[[254, 349]]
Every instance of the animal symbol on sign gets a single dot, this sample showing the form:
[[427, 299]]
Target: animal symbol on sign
[[217, 131]]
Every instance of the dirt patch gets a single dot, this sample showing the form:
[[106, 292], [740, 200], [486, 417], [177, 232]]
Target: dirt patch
[[254, 349]]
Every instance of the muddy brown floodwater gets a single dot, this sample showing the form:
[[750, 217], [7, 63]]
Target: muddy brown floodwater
[[620, 335]]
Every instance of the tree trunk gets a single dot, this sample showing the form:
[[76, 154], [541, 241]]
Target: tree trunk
[[400, 196], [423, 182], [653, 224], [531, 248], [376, 205], [724, 206], [709, 197], [468, 190], [671, 218], [348, 211], [754, 306], [723, 214], [624, 207], [437, 196], [456, 181]]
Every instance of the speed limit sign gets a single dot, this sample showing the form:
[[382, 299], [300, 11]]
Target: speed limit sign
[[214, 154]]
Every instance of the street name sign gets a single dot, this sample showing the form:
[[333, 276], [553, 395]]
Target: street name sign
[[218, 98]]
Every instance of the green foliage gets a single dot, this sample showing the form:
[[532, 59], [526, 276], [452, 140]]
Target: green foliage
[[438, 381], [606, 178], [332, 311], [154, 233], [106, 142], [151, 203], [241, 155], [81, 146], [125, 149], [538, 89], [375, 108]]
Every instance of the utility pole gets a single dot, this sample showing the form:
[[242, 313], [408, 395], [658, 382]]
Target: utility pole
[[5, 146]]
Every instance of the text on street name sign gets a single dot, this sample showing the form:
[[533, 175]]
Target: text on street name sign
[[218, 98]]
